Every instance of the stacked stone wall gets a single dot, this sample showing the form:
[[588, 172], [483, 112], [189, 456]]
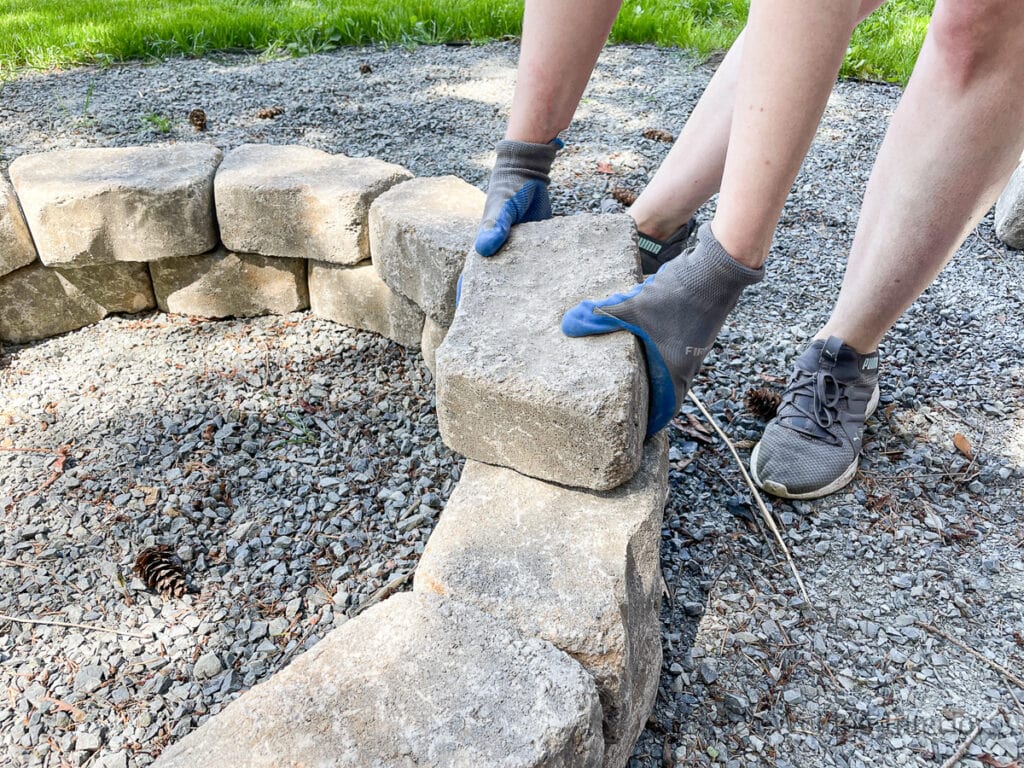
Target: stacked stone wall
[[531, 636]]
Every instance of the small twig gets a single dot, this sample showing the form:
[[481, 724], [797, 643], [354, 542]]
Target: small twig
[[19, 564], [757, 496], [91, 627], [1010, 677], [386, 591], [962, 749]]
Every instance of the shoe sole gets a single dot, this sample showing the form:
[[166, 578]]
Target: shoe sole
[[778, 489]]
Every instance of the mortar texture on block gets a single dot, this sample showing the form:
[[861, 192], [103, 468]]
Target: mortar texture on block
[[420, 234], [38, 301], [578, 568], [97, 206], [414, 681], [357, 297], [300, 202], [226, 284], [433, 336], [1010, 211], [16, 247], [513, 390]]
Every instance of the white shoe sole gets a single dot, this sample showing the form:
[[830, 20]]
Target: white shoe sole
[[778, 489]]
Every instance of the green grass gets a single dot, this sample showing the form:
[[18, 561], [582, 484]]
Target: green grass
[[57, 33]]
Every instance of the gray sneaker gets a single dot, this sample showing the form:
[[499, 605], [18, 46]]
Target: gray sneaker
[[811, 447], [654, 252]]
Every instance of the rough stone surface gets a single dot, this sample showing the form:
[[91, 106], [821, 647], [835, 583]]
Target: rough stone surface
[[300, 202], [433, 335], [420, 234], [577, 568], [38, 301], [1010, 211], [227, 284], [98, 205], [415, 681], [16, 246], [357, 297], [513, 390]]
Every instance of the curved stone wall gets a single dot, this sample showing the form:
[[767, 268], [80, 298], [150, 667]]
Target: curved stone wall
[[531, 637]]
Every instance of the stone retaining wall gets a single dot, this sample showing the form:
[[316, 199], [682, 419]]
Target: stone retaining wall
[[531, 637], [1010, 211]]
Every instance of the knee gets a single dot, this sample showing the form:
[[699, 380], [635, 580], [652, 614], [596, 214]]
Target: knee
[[972, 38]]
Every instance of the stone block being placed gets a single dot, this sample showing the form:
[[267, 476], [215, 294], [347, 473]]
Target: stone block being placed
[[577, 568], [300, 202], [357, 297], [420, 234], [414, 681], [38, 301], [513, 390], [226, 284], [433, 336], [16, 247], [98, 206], [1010, 211]]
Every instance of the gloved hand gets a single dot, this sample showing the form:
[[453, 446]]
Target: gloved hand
[[517, 192]]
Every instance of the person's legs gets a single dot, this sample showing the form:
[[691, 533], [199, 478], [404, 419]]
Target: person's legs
[[788, 63], [692, 171], [952, 144], [561, 43]]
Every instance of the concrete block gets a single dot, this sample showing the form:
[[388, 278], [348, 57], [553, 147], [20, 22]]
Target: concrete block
[[300, 202], [415, 681], [357, 297], [577, 568], [433, 335], [226, 284], [98, 206], [1010, 211], [512, 390], [38, 301], [420, 234], [16, 247]]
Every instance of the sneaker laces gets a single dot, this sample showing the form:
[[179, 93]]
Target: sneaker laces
[[815, 396]]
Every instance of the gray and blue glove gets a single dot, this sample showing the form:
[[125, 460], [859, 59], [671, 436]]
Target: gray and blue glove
[[518, 191]]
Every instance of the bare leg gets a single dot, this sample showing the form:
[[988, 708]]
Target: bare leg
[[952, 144], [561, 43], [790, 60], [692, 171]]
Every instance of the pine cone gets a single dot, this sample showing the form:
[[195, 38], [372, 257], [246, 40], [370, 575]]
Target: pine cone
[[198, 119], [161, 569], [625, 196], [763, 403], [656, 134], [365, 69], [269, 113]]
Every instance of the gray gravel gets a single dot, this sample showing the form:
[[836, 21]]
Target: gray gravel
[[284, 458]]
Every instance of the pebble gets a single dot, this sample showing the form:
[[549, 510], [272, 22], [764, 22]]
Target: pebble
[[208, 665]]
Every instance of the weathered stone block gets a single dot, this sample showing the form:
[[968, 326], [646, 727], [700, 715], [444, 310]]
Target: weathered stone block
[[226, 284], [415, 681], [577, 568], [1010, 211], [420, 234], [512, 390], [433, 335], [300, 202], [357, 297], [16, 247], [97, 206], [38, 301]]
